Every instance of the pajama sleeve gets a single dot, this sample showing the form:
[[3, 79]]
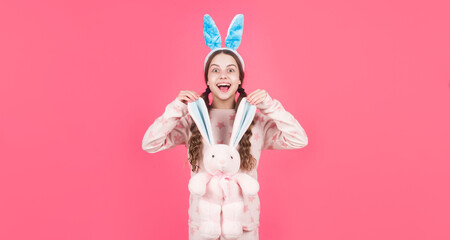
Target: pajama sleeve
[[168, 130], [281, 129]]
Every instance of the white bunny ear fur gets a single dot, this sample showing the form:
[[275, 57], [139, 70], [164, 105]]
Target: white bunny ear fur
[[243, 119], [199, 113]]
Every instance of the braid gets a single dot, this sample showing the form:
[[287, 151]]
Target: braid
[[195, 147], [248, 162], [242, 94]]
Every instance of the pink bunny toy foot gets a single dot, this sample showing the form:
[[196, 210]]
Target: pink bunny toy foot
[[210, 230], [231, 229]]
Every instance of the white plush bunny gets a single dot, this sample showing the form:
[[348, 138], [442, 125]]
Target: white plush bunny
[[221, 185]]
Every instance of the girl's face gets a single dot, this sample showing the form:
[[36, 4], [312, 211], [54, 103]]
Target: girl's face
[[223, 70]]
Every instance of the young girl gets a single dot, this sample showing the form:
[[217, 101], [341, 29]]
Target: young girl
[[272, 128]]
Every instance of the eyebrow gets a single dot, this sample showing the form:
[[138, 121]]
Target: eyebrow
[[219, 66]]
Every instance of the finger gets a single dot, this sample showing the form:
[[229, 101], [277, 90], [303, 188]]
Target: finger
[[192, 95], [250, 94], [182, 93], [185, 99], [196, 94], [189, 98], [258, 99], [257, 92], [256, 96], [249, 98]]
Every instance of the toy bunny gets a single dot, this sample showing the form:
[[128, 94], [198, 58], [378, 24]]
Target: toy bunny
[[221, 185]]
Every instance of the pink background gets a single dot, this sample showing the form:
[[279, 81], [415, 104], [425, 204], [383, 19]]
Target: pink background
[[81, 81]]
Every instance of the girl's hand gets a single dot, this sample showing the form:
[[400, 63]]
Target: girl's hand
[[187, 96], [256, 96]]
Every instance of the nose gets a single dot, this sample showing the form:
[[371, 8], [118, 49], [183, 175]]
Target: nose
[[223, 75], [222, 162]]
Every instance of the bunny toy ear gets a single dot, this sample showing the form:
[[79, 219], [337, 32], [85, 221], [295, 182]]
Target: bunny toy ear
[[235, 30], [199, 113], [243, 119], [211, 32]]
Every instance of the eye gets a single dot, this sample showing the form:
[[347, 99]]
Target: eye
[[212, 155], [214, 70], [231, 157], [231, 69]]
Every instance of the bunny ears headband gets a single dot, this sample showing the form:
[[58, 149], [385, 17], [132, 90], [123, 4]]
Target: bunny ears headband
[[244, 116], [232, 41]]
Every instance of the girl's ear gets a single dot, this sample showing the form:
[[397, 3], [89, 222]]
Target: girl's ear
[[235, 30], [199, 113], [243, 119], [211, 33]]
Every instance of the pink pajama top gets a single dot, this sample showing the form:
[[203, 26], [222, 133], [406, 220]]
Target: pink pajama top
[[274, 128]]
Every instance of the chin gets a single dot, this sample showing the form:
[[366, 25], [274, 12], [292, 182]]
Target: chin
[[226, 95]]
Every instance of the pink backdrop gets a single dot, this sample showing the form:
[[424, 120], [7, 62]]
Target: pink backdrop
[[81, 81]]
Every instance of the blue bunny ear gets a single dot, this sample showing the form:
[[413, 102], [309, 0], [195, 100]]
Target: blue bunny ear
[[235, 30], [211, 32], [243, 119], [199, 113]]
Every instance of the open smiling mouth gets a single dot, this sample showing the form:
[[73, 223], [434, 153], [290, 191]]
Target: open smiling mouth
[[224, 87]]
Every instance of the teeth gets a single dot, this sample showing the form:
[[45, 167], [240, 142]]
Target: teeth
[[223, 85]]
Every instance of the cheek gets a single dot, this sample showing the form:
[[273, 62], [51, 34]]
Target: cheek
[[211, 76]]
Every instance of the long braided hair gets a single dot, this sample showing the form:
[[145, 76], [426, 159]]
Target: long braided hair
[[248, 162]]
